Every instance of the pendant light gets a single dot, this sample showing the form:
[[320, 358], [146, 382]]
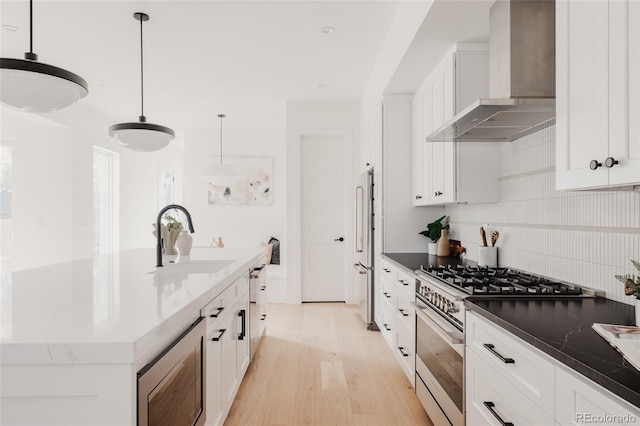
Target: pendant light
[[31, 86], [140, 135], [220, 171]]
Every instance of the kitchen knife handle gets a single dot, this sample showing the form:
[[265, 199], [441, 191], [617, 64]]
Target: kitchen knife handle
[[483, 234]]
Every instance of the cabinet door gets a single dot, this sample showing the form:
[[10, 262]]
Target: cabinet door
[[242, 333], [624, 91], [582, 98], [229, 377], [419, 198], [214, 374], [579, 403]]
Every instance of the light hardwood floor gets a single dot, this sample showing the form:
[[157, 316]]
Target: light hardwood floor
[[318, 365]]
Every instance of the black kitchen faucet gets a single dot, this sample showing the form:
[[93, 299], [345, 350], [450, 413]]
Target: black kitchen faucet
[[159, 233]]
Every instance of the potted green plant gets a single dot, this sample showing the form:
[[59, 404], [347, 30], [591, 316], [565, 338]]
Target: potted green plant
[[434, 231], [632, 287]]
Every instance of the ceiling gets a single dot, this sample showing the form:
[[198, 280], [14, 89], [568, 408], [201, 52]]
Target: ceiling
[[245, 59]]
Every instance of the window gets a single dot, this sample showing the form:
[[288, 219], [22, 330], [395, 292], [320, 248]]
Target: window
[[6, 235], [105, 201]]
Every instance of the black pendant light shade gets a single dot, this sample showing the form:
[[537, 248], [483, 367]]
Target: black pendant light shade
[[142, 136], [31, 86]]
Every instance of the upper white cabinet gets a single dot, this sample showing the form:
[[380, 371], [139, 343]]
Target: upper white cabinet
[[449, 172], [598, 94]]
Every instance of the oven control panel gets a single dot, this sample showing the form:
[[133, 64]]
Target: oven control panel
[[448, 305]]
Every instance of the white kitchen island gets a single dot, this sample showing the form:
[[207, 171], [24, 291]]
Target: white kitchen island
[[74, 335]]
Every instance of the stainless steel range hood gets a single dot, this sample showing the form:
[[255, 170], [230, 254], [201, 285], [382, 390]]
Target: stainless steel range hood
[[522, 71]]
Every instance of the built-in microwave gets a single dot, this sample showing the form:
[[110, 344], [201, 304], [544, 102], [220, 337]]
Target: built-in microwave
[[171, 388]]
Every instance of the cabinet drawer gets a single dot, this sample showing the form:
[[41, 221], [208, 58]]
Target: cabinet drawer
[[489, 396], [389, 294], [405, 312], [388, 326], [389, 272], [519, 363], [406, 284], [406, 351]]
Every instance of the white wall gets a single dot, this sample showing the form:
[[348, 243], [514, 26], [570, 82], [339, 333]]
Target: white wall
[[53, 185], [580, 237], [239, 226]]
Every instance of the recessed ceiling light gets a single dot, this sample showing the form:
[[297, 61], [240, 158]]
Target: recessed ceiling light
[[323, 86], [11, 28], [327, 30]]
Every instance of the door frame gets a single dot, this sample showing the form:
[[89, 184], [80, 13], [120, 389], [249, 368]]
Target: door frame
[[294, 209]]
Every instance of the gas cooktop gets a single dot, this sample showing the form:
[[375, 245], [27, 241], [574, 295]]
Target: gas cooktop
[[477, 280]]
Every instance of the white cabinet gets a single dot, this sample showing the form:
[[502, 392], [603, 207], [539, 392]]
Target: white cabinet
[[448, 172], [397, 320], [597, 94], [228, 352], [579, 403], [527, 371], [508, 378]]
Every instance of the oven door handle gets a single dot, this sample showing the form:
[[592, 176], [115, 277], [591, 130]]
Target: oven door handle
[[453, 336]]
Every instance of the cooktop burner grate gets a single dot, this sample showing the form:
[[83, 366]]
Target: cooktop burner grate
[[500, 281]]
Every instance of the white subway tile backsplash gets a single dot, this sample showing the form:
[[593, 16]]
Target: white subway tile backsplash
[[575, 236]]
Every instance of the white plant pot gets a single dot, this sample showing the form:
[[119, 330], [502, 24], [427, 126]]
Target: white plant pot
[[433, 249]]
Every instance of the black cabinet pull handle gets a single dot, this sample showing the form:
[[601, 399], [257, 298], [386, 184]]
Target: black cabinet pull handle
[[387, 295], [490, 406], [243, 314], [220, 309], [263, 288], [401, 349], [610, 162], [386, 326], [403, 313], [219, 336], [437, 193], [339, 239], [594, 164], [404, 282], [491, 349], [264, 317], [386, 270], [418, 197]]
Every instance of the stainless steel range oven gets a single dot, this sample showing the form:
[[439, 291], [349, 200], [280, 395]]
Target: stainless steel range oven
[[440, 353], [440, 312]]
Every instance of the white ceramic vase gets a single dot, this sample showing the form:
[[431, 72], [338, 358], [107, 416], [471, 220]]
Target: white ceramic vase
[[185, 242], [433, 249]]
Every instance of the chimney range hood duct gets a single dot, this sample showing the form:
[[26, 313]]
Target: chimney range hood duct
[[522, 69]]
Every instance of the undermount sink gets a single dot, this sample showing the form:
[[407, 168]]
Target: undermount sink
[[188, 266]]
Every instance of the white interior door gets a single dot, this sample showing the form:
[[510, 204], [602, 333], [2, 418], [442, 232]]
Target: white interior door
[[323, 218]]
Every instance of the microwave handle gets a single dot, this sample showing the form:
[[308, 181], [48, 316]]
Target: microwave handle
[[452, 336]]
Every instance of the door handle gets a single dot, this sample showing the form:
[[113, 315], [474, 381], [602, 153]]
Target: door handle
[[339, 239]]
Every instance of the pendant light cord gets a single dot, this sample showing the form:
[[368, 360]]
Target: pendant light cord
[[221, 117], [141, 76], [31, 26]]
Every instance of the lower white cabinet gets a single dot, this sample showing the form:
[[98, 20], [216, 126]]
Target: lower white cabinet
[[532, 388], [492, 400], [228, 353], [579, 403], [398, 319]]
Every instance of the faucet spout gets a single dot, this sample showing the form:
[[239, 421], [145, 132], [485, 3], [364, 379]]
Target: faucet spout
[[159, 234]]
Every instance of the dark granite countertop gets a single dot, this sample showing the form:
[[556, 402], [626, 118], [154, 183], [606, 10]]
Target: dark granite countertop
[[412, 261], [562, 329]]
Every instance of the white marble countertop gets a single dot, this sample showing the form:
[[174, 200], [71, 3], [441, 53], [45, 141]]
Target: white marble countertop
[[111, 309]]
